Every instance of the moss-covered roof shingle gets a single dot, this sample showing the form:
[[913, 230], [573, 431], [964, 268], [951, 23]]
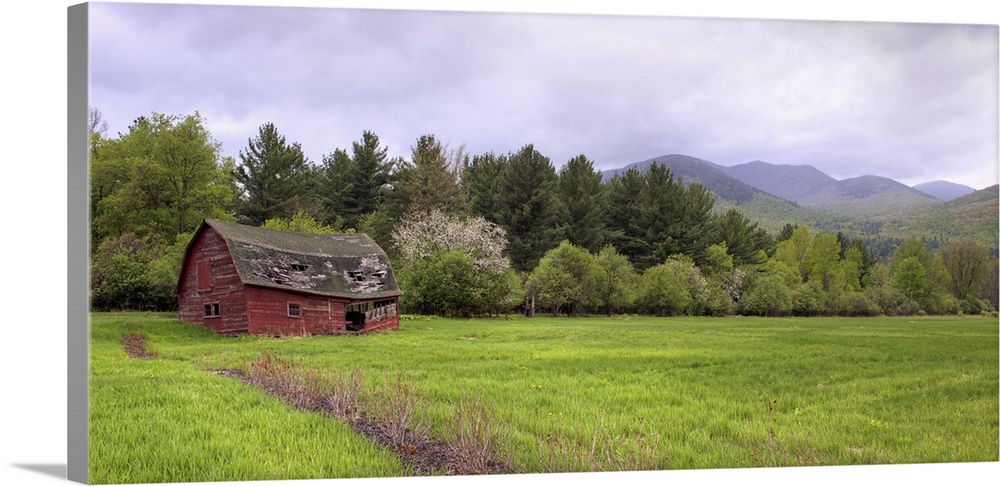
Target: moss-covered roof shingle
[[351, 266]]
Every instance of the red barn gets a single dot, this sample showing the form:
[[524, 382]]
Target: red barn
[[239, 279]]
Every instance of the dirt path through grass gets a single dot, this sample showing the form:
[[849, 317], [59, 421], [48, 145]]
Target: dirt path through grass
[[426, 455], [135, 346]]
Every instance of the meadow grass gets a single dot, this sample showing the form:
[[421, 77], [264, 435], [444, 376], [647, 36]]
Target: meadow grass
[[166, 420], [561, 394]]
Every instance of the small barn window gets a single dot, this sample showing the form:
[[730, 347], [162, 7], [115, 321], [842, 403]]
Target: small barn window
[[298, 267], [294, 310], [212, 310]]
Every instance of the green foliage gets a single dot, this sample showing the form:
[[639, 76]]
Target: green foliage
[[441, 284], [717, 259], [481, 182], [666, 290], [160, 179], [121, 277], [794, 250], [430, 179], [651, 216], [621, 220], [581, 190], [910, 278], [822, 261], [747, 243], [448, 283], [335, 184], [275, 177], [809, 299], [967, 265], [566, 277], [529, 207], [767, 293], [351, 186], [301, 222], [164, 270], [372, 173], [380, 225], [617, 289]]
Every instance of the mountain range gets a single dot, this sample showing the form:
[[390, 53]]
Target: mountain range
[[868, 206], [944, 190]]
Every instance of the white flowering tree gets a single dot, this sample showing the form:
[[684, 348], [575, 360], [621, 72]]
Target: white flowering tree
[[420, 236], [455, 265]]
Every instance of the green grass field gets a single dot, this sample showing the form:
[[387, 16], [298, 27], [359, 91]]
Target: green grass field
[[562, 394]]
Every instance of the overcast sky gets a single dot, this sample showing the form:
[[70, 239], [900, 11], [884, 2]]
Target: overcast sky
[[912, 101]]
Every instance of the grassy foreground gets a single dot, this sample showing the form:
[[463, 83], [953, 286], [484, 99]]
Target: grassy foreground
[[561, 394]]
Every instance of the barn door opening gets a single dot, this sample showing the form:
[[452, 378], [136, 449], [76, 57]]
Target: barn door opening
[[355, 317]]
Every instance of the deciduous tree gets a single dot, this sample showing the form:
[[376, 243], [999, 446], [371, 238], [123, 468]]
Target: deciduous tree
[[619, 280], [566, 277], [160, 179], [967, 264]]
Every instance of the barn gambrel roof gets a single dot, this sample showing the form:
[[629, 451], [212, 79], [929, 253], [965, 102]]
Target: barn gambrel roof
[[350, 266]]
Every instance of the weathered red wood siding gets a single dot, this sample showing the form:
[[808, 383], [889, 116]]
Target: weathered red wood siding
[[209, 277], [268, 313], [382, 321]]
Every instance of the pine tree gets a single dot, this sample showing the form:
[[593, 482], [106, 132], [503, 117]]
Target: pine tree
[[431, 178], [529, 208], [581, 190], [275, 177], [372, 170], [355, 185], [747, 243], [481, 184], [621, 219], [336, 183]]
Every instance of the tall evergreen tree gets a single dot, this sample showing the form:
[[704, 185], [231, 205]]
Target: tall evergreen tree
[[581, 190], [660, 215], [354, 185], [481, 184], [693, 230], [431, 178], [529, 207], [275, 176], [747, 243], [624, 230], [336, 183], [372, 170]]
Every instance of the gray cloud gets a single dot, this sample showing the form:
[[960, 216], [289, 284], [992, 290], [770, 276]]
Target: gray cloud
[[910, 101]]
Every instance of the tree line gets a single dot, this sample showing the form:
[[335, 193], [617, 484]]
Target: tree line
[[476, 234]]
